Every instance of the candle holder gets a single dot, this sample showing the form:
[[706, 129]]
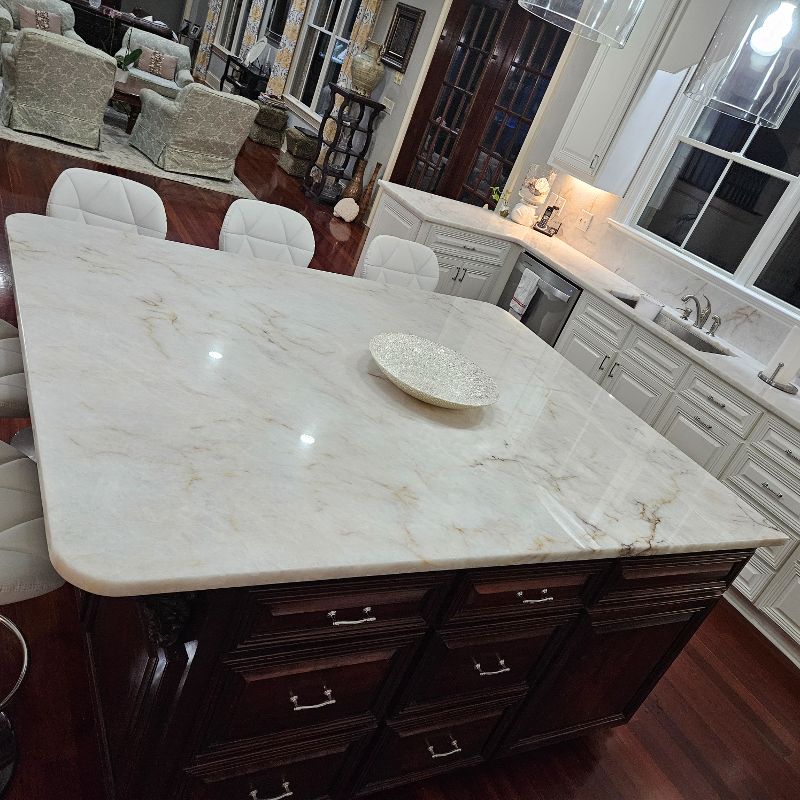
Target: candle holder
[[789, 388]]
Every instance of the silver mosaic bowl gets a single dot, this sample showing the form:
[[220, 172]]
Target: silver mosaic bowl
[[432, 372]]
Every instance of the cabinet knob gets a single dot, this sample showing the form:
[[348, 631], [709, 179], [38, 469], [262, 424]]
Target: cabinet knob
[[287, 792]]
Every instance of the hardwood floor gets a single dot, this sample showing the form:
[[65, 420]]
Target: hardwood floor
[[723, 723]]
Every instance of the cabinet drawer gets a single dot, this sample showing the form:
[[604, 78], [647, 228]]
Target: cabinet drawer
[[297, 774], [522, 592], [260, 697], [602, 320], [339, 610], [656, 357], [780, 442], [466, 244], [480, 662], [722, 402], [407, 754], [645, 579]]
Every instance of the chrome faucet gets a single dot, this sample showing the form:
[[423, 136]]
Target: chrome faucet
[[715, 323], [701, 315]]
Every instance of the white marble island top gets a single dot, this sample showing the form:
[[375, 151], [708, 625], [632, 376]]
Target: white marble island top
[[288, 459]]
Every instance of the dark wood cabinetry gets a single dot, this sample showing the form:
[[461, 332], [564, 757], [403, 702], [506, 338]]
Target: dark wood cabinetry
[[346, 688]]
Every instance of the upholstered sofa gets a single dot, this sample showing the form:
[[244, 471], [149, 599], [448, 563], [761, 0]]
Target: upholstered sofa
[[56, 87], [135, 39], [9, 17], [200, 132]]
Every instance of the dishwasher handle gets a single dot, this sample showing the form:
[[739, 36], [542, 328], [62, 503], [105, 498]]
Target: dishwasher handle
[[553, 293]]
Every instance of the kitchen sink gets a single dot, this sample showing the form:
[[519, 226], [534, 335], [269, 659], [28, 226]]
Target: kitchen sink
[[686, 332]]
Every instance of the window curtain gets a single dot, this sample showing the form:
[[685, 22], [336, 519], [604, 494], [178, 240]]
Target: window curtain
[[283, 59], [362, 30], [209, 32], [253, 25]]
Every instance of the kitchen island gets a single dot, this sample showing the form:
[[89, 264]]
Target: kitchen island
[[296, 580]]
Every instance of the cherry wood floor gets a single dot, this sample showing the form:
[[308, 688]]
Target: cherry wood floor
[[723, 723]]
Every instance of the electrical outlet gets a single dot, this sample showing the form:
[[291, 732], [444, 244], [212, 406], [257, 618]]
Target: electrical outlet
[[585, 220], [388, 103], [398, 78]]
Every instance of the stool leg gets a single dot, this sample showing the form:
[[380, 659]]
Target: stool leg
[[8, 743]]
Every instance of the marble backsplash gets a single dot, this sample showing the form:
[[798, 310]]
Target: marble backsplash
[[754, 331]]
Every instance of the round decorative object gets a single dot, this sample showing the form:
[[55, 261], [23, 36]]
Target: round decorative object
[[432, 372], [346, 209], [256, 50], [523, 214], [367, 69]]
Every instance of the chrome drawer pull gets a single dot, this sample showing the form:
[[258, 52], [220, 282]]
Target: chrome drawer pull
[[434, 754], [485, 674], [712, 399], [775, 494], [286, 793], [704, 424], [791, 455], [547, 599], [368, 618], [329, 701], [469, 247]]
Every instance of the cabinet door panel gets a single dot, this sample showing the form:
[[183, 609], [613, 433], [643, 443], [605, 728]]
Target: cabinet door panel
[[701, 437], [585, 351], [636, 389], [781, 600], [609, 667], [471, 284]]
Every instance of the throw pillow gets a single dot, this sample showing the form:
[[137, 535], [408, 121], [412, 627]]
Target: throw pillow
[[39, 19], [157, 63]]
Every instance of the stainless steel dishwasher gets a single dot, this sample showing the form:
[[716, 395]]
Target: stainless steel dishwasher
[[552, 304]]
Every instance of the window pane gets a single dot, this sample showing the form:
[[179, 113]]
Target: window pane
[[735, 216], [331, 75], [347, 28], [781, 276], [681, 193], [276, 21], [721, 130], [779, 147], [325, 13]]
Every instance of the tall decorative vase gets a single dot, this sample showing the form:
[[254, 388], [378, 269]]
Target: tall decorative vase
[[367, 194], [367, 69], [356, 185]]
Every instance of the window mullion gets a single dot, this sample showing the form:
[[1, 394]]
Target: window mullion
[[737, 158], [707, 203]]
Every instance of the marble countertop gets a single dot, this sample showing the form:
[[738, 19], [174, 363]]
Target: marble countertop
[[741, 371], [164, 468]]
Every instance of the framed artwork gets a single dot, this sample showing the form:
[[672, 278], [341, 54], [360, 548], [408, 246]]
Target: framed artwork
[[402, 36]]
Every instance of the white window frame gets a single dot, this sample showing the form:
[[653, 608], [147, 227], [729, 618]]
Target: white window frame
[[335, 35], [238, 28], [677, 125], [268, 9]]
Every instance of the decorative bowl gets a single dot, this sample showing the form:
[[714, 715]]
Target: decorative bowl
[[432, 372]]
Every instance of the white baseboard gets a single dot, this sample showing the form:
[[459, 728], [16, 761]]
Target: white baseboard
[[764, 625]]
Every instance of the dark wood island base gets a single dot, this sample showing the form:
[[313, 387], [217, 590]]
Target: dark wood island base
[[340, 689]]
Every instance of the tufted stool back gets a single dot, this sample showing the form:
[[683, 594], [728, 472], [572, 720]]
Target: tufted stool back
[[401, 263]]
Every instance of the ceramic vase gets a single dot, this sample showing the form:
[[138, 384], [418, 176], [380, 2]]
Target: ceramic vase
[[367, 69], [356, 185]]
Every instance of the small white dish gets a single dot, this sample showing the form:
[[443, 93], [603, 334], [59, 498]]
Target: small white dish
[[255, 51], [432, 372]]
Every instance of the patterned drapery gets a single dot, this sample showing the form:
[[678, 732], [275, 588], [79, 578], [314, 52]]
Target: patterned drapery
[[207, 40], [253, 25], [362, 30], [283, 59]]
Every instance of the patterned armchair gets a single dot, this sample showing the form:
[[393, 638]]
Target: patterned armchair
[[134, 38], [200, 132], [9, 17], [70, 108]]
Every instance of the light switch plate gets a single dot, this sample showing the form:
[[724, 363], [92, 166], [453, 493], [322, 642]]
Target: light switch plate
[[388, 103], [585, 220]]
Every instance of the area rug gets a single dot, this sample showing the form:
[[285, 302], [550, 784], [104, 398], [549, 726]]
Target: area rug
[[116, 152]]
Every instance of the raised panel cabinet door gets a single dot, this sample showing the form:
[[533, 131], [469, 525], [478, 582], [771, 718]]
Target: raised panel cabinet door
[[701, 437], [448, 274], [610, 664], [586, 352], [636, 389], [471, 284], [781, 600]]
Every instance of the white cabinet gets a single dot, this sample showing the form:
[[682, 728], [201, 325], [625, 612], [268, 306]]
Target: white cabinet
[[704, 440], [585, 147], [781, 600], [585, 350], [395, 220], [636, 389]]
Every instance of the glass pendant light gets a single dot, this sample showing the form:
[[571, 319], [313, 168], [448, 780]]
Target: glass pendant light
[[609, 22], [751, 69]]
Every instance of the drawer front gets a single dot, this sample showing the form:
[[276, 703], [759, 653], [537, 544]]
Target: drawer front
[[522, 592], [466, 244], [478, 662], [780, 442], [312, 772], [403, 755], [766, 487], [722, 402], [646, 579], [656, 357], [258, 698], [338, 611], [602, 320]]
